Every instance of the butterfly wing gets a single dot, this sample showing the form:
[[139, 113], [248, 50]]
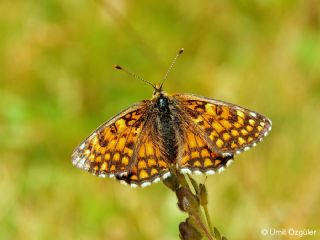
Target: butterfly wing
[[225, 127], [125, 147], [150, 165], [110, 149], [195, 154]]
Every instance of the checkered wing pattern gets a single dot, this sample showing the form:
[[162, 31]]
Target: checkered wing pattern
[[133, 145], [109, 150], [124, 148], [196, 155], [227, 128], [150, 166]]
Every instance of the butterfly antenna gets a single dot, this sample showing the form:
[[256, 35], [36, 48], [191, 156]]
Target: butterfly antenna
[[133, 75], [171, 65]]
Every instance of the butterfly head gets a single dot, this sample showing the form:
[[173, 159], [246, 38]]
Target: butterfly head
[[157, 89]]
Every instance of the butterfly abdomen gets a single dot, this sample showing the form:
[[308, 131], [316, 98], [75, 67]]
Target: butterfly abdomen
[[166, 128]]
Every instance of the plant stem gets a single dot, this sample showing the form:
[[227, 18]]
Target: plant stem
[[206, 212], [198, 220], [198, 217], [191, 201]]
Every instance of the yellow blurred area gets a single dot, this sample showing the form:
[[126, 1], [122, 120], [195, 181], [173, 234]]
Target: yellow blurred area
[[57, 84]]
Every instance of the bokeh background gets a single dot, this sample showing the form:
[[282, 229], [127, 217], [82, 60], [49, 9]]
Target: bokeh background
[[57, 84]]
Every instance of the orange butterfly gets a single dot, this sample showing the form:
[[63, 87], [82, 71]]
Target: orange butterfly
[[191, 133]]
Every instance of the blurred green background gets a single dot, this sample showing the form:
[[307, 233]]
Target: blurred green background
[[57, 84]]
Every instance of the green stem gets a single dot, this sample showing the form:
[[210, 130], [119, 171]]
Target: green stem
[[206, 212]]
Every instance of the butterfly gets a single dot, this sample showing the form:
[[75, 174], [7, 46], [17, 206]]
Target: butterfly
[[190, 133]]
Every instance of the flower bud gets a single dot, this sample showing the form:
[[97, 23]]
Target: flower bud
[[172, 182], [187, 201], [188, 232], [203, 195]]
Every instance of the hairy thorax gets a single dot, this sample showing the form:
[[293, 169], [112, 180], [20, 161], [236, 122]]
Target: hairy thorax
[[165, 126]]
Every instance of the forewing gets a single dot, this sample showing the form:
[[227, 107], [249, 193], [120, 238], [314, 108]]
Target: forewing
[[109, 150], [229, 128]]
